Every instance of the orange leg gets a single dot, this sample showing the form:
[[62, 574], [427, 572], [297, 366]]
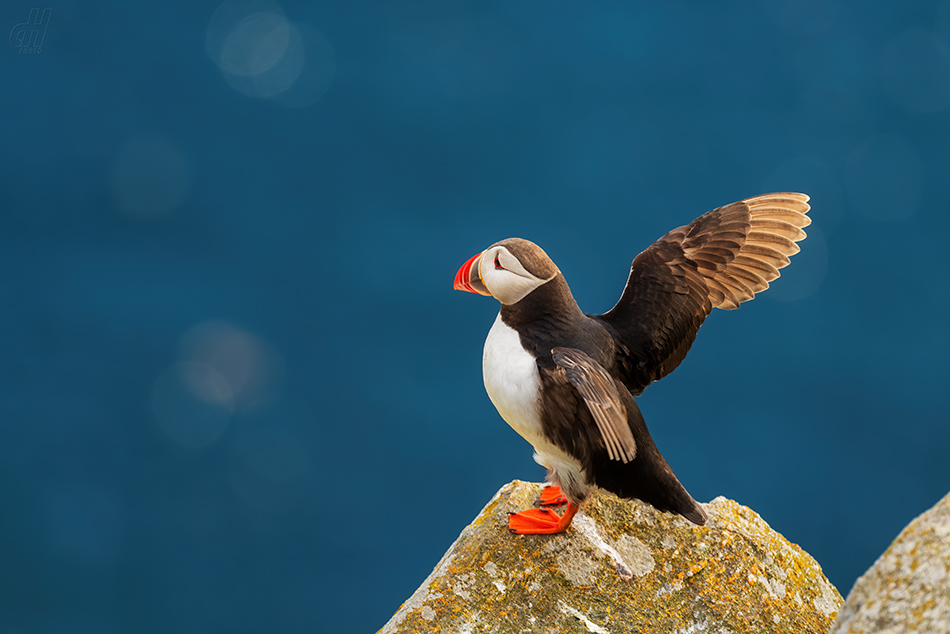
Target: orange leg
[[552, 496], [541, 521]]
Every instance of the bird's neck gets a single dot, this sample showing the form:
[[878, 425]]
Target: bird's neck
[[551, 306]]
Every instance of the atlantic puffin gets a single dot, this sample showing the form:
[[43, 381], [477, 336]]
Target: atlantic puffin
[[566, 380]]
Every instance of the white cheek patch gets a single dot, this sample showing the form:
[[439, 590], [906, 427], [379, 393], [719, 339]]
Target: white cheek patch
[[511, 263], [511, 283]]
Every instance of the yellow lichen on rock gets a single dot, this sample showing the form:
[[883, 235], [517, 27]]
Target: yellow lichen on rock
[[621, 567]]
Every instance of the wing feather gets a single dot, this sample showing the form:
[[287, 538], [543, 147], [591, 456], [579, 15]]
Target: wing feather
[[603, 401], [719, 260]]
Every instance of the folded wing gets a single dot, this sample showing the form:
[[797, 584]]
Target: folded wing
[[603, 401]]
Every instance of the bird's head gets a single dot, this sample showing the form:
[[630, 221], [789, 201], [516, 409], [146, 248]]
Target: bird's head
[[508, 271]]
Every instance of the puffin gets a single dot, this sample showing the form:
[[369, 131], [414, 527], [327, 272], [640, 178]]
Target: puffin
[[566, 380]]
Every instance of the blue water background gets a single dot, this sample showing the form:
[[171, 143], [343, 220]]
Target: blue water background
[[238, 391]]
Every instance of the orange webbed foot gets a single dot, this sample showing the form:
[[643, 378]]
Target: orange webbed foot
[[541, 521], [552, 496]]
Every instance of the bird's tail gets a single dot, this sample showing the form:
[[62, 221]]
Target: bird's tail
[[648, 476]]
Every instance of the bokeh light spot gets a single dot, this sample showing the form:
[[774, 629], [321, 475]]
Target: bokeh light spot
[[261, 54], [256, 44], [277, 78], [207, 384], [250, 368], [222, 369], [230, 20]]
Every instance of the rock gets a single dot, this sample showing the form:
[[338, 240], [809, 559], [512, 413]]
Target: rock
[[621, 567], [908, 587]]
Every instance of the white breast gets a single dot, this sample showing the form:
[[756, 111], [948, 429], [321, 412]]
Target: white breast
[[512, 381], [514, 387]]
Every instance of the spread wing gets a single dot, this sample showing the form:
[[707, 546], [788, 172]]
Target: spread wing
[[600, 395], [719, 260]]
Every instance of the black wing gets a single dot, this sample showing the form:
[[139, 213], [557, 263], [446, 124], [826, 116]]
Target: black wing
[[719, 260]]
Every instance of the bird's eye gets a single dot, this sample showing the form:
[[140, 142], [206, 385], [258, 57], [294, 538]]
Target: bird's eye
[[498, 265]]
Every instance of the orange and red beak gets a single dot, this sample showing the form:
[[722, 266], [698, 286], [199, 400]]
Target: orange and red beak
[[468, 278]]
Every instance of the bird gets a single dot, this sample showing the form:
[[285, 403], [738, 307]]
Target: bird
[[566, 381]]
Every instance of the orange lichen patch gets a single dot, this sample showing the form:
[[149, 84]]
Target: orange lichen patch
[[621, 566]]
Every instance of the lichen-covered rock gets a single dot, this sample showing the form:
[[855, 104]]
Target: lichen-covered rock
[[622, 566], [908, 587]]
